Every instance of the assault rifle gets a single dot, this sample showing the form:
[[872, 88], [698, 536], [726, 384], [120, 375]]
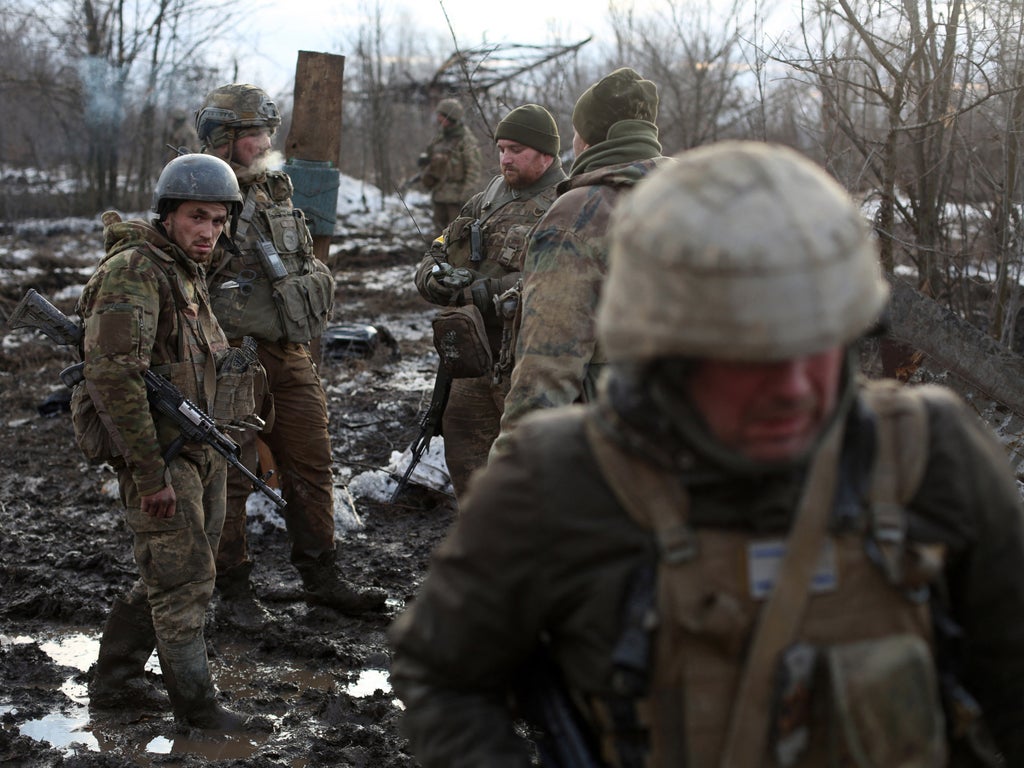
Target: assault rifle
[[559, 733], [430, 425], [34, 311]]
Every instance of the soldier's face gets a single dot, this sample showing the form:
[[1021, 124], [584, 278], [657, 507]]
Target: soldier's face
[[251, 147], [767, 412], [195, 226], [521, 165]]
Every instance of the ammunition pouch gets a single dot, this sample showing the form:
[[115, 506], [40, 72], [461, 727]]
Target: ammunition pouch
[[461, 342], [235, 402], [304, 303], [91, 434]]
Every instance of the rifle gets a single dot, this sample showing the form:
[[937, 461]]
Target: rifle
[[430, 425], [563, 740], [34, 311]]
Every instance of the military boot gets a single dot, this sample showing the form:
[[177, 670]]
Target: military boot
[[237, 605], [186, 671], [119, 678], [325, 586]]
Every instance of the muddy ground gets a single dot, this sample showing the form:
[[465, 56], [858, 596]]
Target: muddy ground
[[65, 551]]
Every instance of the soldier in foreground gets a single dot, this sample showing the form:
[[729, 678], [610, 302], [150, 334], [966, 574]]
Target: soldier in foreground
[[269, 285], [743, 554], [487, 242], [450, 165], [146, 309]]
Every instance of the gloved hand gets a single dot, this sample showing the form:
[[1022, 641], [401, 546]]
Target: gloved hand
[[444, 281], [481, 293]]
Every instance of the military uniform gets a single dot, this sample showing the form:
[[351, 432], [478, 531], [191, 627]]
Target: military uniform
[[742, 553], [557, 356], [452, 171], [146, 308], [553, 554], [504, 218]]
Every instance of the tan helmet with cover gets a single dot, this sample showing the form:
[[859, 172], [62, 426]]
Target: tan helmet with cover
[[738, 251], [232, 108], [451, 109]]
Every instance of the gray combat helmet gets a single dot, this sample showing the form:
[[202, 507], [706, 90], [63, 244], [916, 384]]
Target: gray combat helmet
[[738, 251], [196, 177], [234, 107]]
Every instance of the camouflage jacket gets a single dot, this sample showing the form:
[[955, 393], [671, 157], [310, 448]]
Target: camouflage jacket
[[542, 549], [146, 308], [453, 165], [505, 218], [557, 356]]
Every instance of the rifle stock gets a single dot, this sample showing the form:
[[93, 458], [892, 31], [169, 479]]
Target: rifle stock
[[35, 311], [430, 425]]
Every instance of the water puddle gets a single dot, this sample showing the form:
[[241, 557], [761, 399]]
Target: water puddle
[[72, 729]]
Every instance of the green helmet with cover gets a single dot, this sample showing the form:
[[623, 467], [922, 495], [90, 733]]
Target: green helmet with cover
[[196, 177], [738, 251], [232, 108]]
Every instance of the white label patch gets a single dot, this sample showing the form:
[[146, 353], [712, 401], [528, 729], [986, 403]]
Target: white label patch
[[765, 557]]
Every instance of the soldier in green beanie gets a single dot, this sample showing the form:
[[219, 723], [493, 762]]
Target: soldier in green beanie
[[557, 355], [497, 222]]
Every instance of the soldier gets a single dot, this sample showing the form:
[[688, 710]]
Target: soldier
[[616, 144], [268, 285], [743, 553], [486, 243], [146, 308], [450, 164]]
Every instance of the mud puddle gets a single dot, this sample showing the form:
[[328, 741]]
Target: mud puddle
[[70, 727]]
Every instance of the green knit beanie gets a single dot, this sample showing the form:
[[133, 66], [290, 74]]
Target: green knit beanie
[[532, 126], [622, 95]]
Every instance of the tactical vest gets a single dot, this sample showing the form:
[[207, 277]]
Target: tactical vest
[[812, 651], [504, 230], [273, 289]]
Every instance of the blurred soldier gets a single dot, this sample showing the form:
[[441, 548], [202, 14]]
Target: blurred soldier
[[268, 285], [182, 134], [616, 144], [742, 554], [146, 308], [486, 243], [450, 164]]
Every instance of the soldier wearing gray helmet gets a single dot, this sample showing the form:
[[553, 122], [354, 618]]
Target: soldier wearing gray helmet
[[743, 553], [146, 308]]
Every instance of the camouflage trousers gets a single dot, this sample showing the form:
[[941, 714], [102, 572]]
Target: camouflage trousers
[[471, 422], [301, 445], [175, 555]]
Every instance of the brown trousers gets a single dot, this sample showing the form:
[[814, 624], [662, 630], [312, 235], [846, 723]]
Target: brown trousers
[[471, 422]]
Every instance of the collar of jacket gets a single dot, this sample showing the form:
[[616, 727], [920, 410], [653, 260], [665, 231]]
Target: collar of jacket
[[628, 141]]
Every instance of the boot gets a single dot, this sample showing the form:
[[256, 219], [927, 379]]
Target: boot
[[186, 671], [237, 605], [119, 677], [324, 586]]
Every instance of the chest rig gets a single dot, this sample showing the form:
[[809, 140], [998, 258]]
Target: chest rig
[[809, 651]]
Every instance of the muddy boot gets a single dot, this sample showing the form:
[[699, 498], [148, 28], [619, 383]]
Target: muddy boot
[[186, 671], [237, 605], [325, 586], [119, 678]]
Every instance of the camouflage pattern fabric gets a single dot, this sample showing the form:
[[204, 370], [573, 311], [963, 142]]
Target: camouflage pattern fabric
[[452, 172], [557, 356], [133, 322]]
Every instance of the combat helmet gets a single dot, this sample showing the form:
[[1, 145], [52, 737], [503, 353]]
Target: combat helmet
[[738, 251], [196, 177], [451, 109], [232, 108]]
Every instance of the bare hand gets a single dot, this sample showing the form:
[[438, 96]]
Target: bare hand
[[160, 504]]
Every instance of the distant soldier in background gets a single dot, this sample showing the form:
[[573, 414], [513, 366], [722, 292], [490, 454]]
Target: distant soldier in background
[[182, 133], [269, 285], [487, 242], [450, 164], [146, 308]]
